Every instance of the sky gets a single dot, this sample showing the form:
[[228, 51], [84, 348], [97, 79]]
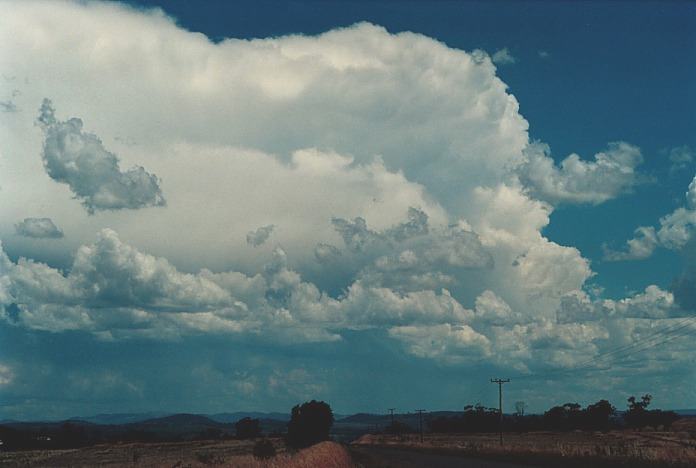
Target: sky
[[240, 206]]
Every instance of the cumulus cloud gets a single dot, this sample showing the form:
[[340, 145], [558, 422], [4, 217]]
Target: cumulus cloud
[[117, 292], [503, 57], [40, 228], [640, 247], [80, 160], [259, 236], [676, 230], [407, 209], [612, 172]]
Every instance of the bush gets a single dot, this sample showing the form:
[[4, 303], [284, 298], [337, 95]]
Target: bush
[[247, 428], [309, 424], [264, 449]]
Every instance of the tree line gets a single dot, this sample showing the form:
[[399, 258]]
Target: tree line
[[599, 416]]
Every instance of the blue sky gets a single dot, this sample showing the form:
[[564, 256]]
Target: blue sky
[[368, 203]]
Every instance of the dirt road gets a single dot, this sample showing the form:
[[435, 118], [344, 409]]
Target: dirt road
[[381, 457]]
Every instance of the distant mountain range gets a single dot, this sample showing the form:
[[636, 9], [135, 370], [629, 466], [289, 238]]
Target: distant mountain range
[[127, 418], [163, 418], [142, 427]]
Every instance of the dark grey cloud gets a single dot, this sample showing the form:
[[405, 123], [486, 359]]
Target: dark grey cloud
[[325, 253], [261, 235], [80, 160], [355, 233], [684, 286], [40, 228], [416, 225]]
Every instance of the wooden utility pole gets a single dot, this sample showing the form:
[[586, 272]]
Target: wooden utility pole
[[391, 412], [500, 383], [420, 422]]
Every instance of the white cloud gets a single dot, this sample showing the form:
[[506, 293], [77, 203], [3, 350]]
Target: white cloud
[[676, 231], [117, 292], [503, 57], [611, 173], [640, 247], [388, 159]]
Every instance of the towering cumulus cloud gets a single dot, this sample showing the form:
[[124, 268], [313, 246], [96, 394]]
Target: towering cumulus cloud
[[80, 160], [409, 201]]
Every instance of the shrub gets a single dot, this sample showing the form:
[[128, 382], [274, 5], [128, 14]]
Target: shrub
[[247, 428], [264, 449]]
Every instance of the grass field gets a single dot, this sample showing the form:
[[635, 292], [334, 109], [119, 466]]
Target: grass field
[[184, 454], [675, 448]]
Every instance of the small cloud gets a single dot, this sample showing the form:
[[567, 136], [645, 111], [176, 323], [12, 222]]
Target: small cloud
[[680, 157], [6, 375], [543, 54], [79, 159], [503, 57], [261, 235], [38, 228], [640, 247], [8, 106]]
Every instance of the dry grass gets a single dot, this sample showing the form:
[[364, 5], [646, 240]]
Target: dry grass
[[324, 455], [228, 453], [668, 448]]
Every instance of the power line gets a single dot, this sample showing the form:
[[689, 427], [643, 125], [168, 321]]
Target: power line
[[591, 363]]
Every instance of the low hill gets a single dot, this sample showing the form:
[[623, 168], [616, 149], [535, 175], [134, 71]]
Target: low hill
[[120, 418]]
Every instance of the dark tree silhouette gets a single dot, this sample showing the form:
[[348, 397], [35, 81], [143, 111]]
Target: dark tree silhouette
[[564, 418], [247, 428], [638, 414], [598, 416], [309, 424], [635, 405]]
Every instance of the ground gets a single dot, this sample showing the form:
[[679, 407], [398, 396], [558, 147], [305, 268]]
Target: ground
[[569, 449]]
